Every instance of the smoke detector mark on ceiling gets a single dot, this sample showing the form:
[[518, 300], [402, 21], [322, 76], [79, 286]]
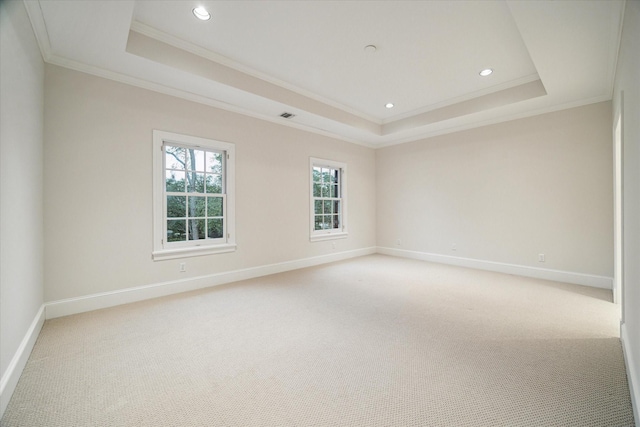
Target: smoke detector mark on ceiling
[[201, 13], [287, 115]]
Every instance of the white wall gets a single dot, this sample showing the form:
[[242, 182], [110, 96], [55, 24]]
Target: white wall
[[506, 192], [502, 193], [98, 186], [21, 216], [628, 81]]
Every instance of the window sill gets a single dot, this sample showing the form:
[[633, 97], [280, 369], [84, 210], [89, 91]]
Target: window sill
[[328, 236], [163, 254]]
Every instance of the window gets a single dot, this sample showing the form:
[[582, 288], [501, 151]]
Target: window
[[193, 196], [328, 199]]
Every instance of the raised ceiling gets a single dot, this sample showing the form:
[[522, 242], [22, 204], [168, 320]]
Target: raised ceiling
[[308, 58]]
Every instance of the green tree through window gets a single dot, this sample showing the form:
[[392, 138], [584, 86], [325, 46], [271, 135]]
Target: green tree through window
[[193, 196], [328, 199], [194, 191]]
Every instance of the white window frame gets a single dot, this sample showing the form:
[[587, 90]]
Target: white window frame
[[320, 235], [162, 249]]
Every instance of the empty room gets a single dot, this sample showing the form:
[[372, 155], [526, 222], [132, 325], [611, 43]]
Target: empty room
[[319, 213]]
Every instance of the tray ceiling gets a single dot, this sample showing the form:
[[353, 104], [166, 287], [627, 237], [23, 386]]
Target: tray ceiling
[[308, 58]]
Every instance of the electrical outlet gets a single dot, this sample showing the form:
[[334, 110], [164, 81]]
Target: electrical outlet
[[183, 267], [399, 242], [454, 247], [540, 257]]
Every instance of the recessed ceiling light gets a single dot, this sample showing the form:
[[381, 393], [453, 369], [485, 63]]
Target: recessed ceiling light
[[486, 72], [389, 105], [370, 48], [201, 13]]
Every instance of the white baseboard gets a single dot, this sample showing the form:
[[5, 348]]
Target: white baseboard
[[520, 270], [11, 376], [632, 362], [109, 299]]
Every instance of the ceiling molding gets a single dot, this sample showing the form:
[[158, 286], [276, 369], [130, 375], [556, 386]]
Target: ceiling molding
[[489, 101], [34, 11], [179, 43], [261, 93], [162, 53], [170, 55], [616, 51], [497, 120], [463, 98], [190, 96]]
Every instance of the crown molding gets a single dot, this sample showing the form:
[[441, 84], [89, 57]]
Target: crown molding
[[189, 96], [39, 26], [466, 97], [38, 23], [179, 43], [613, 70], [496, 120]]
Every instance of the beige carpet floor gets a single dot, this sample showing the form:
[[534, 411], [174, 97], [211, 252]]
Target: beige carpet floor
[[373, 341]]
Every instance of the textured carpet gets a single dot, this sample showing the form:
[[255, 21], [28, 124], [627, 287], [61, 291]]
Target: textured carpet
[[374, 341]]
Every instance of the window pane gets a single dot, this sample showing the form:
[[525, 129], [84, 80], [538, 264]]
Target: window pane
[[215, 228], [326, 223], [316, 190], [194, 195], [214, 206], [316, 174], [196, 229], [214, 162], [176, 206], [336, 222], [195, 160], [318, 222], [335, 173], [317, 207], [214, 184], [196, 207], [174, 157], [326, 190], [174, 181], [327, 206], [326, 175], [195, 182], [336, 206], [176, 230], [335, 191]]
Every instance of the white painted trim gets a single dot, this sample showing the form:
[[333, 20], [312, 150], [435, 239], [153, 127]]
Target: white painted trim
[[193, 97], [34, 11], [466, 97], [317, 235], [163, 37], [327, 236], [490, 121], [500, 267], [615, 56], [191, 251], [163, 250], [109, 299], [37, 21], [42, 36], [632, 363], [11, 376]]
